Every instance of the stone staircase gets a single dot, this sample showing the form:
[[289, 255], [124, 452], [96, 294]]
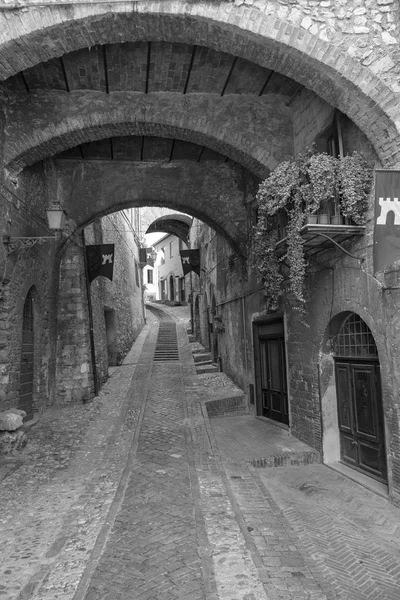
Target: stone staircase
[[204, 363], [225, 398]]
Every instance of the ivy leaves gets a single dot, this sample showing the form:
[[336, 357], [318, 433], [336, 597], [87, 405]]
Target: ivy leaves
[[293, 190]]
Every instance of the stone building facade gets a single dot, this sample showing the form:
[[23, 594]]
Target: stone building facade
[[187, 106]]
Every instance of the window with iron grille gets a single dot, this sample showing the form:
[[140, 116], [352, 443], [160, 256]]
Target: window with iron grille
[[355, 339]]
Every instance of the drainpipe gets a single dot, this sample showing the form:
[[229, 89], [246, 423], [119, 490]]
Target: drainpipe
[[90, 311]]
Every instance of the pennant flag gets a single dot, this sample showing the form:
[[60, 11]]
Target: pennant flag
[[190, 261], [100, 261], [387, 219]]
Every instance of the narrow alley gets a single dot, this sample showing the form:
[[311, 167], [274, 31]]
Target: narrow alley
[[140, 495]]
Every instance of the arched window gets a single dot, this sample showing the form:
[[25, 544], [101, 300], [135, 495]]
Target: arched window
[[355, 339]]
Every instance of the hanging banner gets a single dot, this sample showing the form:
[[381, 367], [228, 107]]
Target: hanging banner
[[190, 261], [387, 219], [100, 261]]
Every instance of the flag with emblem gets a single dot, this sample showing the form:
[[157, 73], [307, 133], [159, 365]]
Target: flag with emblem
[[100, 261], [387, 219], [190, 261]]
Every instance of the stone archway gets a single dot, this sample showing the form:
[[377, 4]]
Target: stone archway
[[291, 40], [206, 191], [351, 407], [258, 137]]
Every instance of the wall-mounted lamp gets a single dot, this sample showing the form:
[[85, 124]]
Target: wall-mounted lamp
[[56, 220]]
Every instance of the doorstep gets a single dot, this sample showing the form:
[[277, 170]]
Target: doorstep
[[368, 482]]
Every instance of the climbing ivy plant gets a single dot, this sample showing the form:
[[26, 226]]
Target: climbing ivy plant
[[296, 189]]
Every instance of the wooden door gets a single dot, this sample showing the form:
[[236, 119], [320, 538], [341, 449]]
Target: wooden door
[[360, 413], [271, 383], [27, 359]]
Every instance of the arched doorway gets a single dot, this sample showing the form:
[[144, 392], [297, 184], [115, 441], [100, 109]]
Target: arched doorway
[[359, 398], [27, 357], [171, 289]]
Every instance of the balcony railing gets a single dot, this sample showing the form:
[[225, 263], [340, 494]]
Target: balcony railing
[[320, 232]]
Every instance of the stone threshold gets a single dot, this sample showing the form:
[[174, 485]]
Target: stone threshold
[[368, 482]]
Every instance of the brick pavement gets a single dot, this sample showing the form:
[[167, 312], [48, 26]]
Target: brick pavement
[[168, 512]]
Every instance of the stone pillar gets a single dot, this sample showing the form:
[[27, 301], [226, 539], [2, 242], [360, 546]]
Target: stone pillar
[[74, 379]]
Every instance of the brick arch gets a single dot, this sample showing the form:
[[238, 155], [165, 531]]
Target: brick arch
[[212, 192], [261, 37], [44, 125], [236, 244]]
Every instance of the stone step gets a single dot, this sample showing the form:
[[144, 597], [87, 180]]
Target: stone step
[[202, 357], [234, 404], [288, 459], [201, 363], [211, 368]]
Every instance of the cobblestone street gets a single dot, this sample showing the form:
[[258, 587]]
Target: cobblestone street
[[140, 495]]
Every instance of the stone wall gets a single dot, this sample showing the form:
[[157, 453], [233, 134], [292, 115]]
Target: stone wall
[[23, 270], [122, 296]]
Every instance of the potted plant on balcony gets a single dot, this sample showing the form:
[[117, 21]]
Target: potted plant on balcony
[[302, 188], [321, 174], [354, 184]]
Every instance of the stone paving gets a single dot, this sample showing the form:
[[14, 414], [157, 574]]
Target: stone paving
[[152, 500]]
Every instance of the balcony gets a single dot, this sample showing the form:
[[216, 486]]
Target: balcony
[[319, 236]]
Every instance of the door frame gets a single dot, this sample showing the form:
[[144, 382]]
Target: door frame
[[379, 412], [256, 323]]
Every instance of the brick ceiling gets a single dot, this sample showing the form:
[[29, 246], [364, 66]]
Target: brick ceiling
[[146, 148], [153, 67], [148, 68]]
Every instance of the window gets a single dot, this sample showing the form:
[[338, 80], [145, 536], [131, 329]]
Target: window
[[162, 257], [170, 249], [149, 276], [330, 140]]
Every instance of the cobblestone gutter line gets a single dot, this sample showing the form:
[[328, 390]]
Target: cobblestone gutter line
[[50, 529], [234, 568]]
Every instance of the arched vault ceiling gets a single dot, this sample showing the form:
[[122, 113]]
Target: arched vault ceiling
[[255, 132], [247, 32], [153, 67], [178, 225], [215, 192], [140, 148]]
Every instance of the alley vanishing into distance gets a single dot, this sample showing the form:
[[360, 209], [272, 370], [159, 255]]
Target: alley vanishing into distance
[[143, 495]]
